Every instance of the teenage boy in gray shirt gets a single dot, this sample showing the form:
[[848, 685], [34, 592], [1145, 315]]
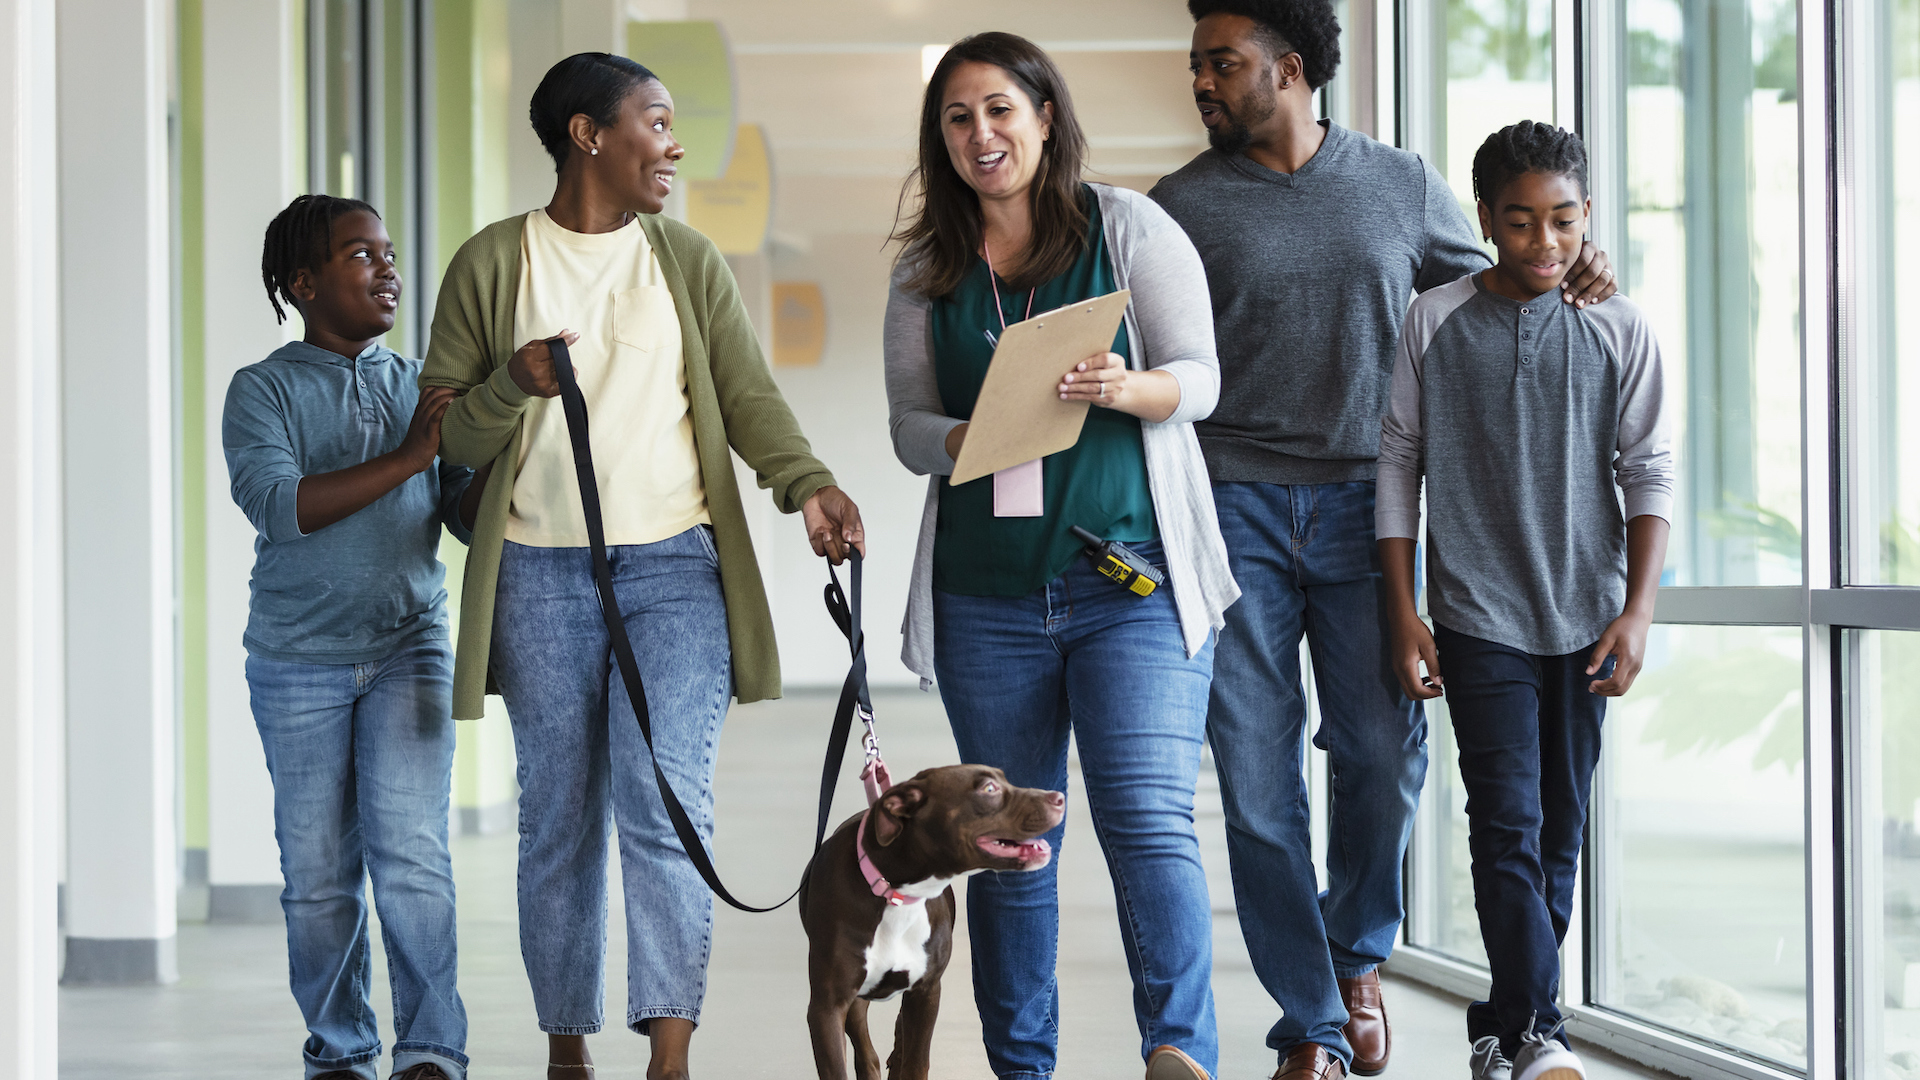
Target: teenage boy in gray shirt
[[1314, 238], [1522, 414]]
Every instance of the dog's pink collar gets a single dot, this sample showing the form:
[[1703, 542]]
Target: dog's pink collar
[[876, 880]]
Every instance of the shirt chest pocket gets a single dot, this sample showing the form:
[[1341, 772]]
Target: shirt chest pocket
[[644, 319]]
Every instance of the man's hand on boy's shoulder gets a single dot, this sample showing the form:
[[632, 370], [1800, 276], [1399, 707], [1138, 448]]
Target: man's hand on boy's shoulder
[[1625, 641], [1591, 279], [422, 443]]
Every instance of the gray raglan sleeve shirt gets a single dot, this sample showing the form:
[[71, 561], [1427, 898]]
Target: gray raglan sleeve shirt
[[1644, 467]]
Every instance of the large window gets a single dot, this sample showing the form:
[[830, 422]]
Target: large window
[[1709, 156], [1886, 777], [1885, 524], [1699, 834], [1480, 65]]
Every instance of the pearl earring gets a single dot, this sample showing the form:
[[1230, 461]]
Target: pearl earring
[[595, 151]]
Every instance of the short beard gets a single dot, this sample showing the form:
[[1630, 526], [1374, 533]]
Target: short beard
[[1234, 133]]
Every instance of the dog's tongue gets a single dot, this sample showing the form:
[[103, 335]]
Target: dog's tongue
[[1035, 850]]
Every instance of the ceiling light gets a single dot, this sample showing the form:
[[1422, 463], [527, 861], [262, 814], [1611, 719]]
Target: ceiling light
[[929, 59]]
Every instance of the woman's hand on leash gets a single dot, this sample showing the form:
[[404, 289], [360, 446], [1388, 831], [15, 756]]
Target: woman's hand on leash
[[532, 367], [1106, 382], [833, 524]]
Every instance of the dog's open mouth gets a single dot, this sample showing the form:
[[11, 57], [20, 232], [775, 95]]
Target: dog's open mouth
[[1031, 854]]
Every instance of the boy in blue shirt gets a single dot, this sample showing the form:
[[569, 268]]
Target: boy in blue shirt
[[1523, 413], [332, 454]]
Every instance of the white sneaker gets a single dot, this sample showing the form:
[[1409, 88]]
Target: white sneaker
[[1542, 1057], [1487, 1062]]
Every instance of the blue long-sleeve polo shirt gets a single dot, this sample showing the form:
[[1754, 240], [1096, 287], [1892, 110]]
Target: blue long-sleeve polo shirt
[[363, 586]]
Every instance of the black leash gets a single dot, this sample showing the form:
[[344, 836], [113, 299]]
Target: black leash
[[853, 692]]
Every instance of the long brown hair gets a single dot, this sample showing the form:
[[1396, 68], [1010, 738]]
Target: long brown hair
[[945, 232]]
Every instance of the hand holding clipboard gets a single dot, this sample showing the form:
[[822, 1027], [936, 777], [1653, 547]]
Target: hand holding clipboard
[[1019, 416]]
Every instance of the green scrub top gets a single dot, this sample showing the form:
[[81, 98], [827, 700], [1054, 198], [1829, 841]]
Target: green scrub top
[[1099, 484]]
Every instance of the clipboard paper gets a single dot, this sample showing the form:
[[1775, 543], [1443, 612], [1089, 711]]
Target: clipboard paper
[[1019, 416]]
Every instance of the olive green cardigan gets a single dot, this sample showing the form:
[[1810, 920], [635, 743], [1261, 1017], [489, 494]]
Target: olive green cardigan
[[734, 402]]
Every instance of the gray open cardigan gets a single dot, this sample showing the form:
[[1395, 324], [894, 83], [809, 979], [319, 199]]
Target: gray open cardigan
[[1169, 328]]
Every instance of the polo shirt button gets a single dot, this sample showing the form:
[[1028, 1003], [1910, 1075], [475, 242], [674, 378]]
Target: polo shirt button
[[1526, 311], [1526, 359]]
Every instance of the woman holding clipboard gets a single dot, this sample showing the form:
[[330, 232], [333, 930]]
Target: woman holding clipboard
[[1027, 641]]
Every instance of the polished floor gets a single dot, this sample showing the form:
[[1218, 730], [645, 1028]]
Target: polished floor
[[230, 1015]]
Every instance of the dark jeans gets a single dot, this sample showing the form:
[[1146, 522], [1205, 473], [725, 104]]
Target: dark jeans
[[1305, 558], [1528, 731]]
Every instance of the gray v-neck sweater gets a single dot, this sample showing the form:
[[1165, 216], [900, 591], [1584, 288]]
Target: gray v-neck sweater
[[1310, 275]]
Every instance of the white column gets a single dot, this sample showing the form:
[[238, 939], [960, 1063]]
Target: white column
[[30, 720], [116, 323], [253, 168]]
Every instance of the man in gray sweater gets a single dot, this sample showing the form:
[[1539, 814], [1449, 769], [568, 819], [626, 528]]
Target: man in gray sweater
[[1314, 240]]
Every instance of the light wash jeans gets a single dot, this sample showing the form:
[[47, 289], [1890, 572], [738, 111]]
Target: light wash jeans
[[362, 762], [581, 757], [1306, 563], [1017, 675]]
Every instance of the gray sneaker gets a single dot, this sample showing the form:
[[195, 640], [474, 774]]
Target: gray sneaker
[[1543, 1057], [1488, 1062]]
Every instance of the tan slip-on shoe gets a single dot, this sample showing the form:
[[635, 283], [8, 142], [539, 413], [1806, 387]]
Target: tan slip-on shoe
[[1168, 1063]]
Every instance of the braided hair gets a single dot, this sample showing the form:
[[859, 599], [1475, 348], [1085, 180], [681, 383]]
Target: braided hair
[[301, 238], [1307, 27], [1527, 147]]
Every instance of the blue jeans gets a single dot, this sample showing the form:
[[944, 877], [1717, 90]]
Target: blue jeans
[[1529, 736], [362, 762], [581, 758], [1087, 656], [1305, 560]]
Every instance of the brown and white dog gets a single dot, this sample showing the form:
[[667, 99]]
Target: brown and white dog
[[878, 905]]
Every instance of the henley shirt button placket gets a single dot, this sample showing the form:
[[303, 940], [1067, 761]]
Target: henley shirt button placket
[[1526, 335]]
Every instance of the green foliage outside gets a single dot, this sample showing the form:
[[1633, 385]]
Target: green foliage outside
[[1513, 37]]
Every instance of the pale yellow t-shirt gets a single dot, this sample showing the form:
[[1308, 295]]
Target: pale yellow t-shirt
[[633, 374]]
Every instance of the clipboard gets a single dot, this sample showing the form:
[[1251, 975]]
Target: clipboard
[[1019, 416]]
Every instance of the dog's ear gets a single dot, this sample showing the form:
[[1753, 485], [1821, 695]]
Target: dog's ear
[[900, 803]]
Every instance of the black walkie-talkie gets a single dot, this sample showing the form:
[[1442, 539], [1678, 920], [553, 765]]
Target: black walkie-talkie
[[1120, 563]]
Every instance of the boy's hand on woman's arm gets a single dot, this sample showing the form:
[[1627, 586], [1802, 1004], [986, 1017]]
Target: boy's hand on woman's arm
[[1626, 637], [325, 498], [1409, 642]]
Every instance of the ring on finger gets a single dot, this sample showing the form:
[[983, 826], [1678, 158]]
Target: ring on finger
[[1103, 389]]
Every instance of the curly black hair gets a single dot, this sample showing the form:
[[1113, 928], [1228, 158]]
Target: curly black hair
[[301, 238], [1528, 146], [1307, 27], [592, 84]]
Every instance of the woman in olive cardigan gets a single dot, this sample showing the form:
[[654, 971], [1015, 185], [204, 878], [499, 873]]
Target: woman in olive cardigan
[[656, 310]]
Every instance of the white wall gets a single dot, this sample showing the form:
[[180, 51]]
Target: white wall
[[30, 720], [116, 305], [253, 153]]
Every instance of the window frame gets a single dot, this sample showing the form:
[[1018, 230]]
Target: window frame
[[1589, 61]]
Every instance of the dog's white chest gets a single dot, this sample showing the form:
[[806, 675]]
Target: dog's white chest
[[899, 944]]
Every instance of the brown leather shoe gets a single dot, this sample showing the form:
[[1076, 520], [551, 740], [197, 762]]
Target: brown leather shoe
[[1366, 1031], [1310, 1061]]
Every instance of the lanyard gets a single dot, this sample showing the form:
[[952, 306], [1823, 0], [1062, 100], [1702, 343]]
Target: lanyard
[[993, 279]]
